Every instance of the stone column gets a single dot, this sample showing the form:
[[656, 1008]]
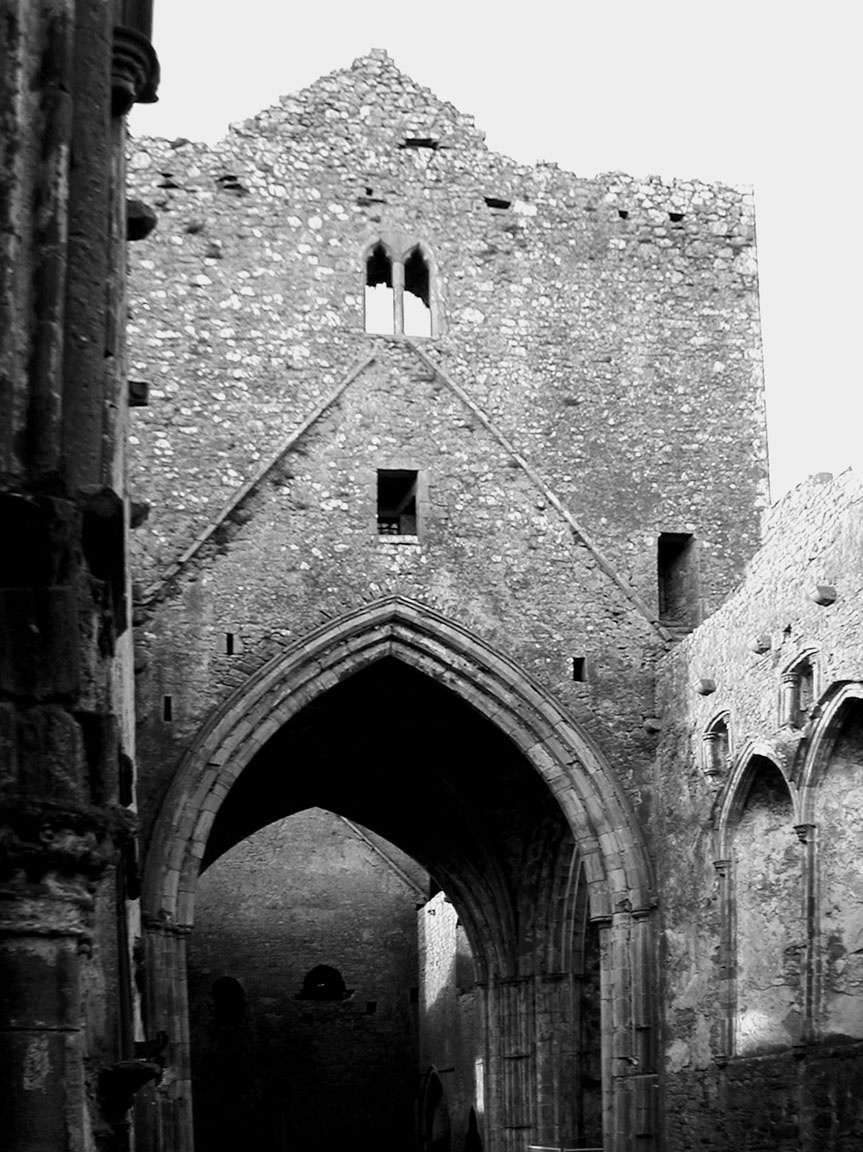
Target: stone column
[[633, 1113], [789, 697], [510, 1074], [556, 1060], [163, 1113], [44, 930], [807, 835], [66, 736]]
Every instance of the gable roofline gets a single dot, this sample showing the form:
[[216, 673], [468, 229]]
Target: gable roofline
[[155, 590], [548, 494], [635, 600]]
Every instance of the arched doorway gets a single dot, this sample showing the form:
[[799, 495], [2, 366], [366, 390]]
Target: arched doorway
[[418, 730]]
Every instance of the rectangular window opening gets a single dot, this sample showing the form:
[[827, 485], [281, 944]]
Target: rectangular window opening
[[168, 708], [229, 643], [677, 579], [420, 142], [397, 502], [578, 669], [371, 1007]]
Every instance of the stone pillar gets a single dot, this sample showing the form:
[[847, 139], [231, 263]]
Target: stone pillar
[[44, 930], [66, 732], [727, 983], [632, 1106], [714, 752], [163, 1113], [398, 277], [511, 1077], [556, 1060], [788, 698], [807, 835]]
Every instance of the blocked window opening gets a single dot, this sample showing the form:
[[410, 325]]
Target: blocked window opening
[[379, 297], [578, 668], [397, 502], [323, 983], [677, 580], [417, 309]]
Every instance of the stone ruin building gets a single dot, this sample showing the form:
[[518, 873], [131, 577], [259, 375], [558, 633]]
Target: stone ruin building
[[417, 730]]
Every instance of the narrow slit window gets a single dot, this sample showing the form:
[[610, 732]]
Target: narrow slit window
[[677, 579], [168, 708], [397, 502], [417, 308], [380, 314]]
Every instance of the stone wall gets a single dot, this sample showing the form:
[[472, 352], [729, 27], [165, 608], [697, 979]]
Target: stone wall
[[740, 931], [608, 325], [280, 1066]]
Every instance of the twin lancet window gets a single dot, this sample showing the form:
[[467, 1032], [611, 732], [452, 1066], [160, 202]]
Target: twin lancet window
[[398, 294]]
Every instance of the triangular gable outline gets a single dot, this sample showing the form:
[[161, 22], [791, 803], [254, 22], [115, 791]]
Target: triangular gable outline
[[155, 590]]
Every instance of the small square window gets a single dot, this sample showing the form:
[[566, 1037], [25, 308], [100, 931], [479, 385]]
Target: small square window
[[397, 502]]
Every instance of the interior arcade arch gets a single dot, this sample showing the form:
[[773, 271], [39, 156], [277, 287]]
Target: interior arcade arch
[[408, 725]]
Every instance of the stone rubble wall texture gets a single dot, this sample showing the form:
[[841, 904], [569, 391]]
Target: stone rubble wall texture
[[299, 893], [621, 355], [769, 1099], [492, 555]]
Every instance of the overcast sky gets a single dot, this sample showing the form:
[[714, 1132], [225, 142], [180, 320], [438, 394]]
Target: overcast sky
[[749, 93]]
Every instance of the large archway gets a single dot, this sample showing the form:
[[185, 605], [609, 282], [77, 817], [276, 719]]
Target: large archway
[[557, 847]]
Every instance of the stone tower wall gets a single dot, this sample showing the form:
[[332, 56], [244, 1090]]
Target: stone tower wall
[[609, 326]]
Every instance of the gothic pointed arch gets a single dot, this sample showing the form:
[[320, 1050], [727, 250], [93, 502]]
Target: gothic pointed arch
[[615, 859], [830, 827], [732, 798], [760, 869], [613, 882]]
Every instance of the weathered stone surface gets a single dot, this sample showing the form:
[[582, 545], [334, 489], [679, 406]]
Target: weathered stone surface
[[737, 943], [621, 361]]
